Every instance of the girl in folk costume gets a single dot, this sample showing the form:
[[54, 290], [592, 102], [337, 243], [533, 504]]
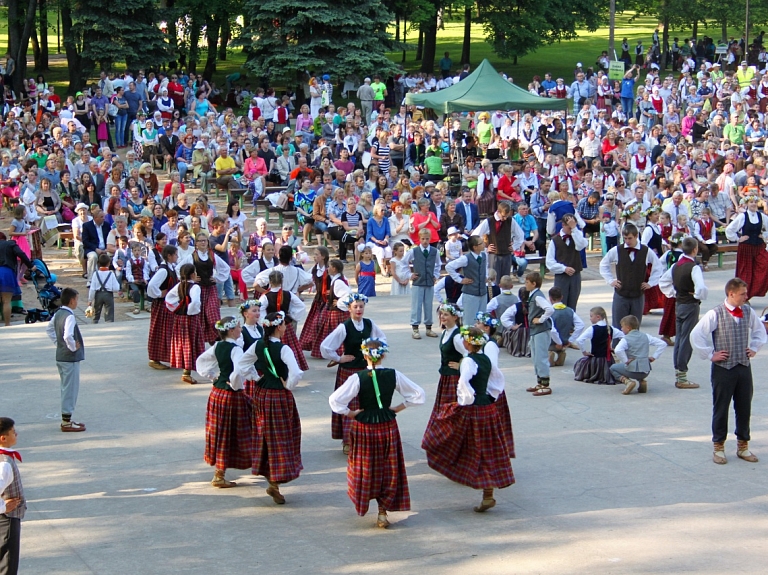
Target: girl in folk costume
[[252, 332], [486, 190], [595, 366], [267, 260], [705, 232], [276, 423], [466, 442], [187, 342], [488, 324], [228, 439], [452, 351], [651, 237], [209, 269], [668, 327], [376, 466], [335, 310], [278, 299], [161, 321], [319, 277], [750, 229], [762, 94], [517, 335], [349, 335]]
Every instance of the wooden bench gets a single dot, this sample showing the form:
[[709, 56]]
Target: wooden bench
[[265, 204], [725, 249], [535, 259], [66, 237]]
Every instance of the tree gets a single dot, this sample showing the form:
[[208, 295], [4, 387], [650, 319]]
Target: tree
[[338, 37], [519, 27], [20, 28]]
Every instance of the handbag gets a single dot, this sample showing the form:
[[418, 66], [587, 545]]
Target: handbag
[[112, 109], [282, 201]]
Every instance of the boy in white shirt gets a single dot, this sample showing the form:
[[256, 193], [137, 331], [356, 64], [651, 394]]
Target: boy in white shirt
[[104, 285], [453, 245]]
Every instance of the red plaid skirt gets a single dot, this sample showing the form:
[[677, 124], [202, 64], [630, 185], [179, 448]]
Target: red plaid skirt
[[667, 326], [160, 332], [467, 445], [276, 435], [327, 321], [654, 299], [187, 343], [446, 393], [290, 339], [376, 467], [339, 424], [209, 300], [309, 331], [228, 438], [752, 267], [506, 422]]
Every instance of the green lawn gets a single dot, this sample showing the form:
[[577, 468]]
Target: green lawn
[[559, 59]]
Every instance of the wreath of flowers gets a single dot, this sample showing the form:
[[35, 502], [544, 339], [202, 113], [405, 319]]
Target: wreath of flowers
[[750, 198], [651, 210], [486, 319], [375, 353], [277, 321], [224, 327], [355, 296], [450, 308], [630, 210], [248, 304], [479, 340]]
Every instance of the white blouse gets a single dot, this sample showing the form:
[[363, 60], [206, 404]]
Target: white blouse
[[247, 368], [172, 299], [465, 393], [296, 309], [334, 340], [221, 269], [349, 390], [208, 366]]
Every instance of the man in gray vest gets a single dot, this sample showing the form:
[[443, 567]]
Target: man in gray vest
[[12, 501], [729, 336], [63, 331], [685, 282], [564, 259], [633, 362], [425, 262], [474, 268]]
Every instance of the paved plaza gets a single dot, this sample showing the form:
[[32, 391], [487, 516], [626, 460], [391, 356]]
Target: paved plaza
[[606, 483]]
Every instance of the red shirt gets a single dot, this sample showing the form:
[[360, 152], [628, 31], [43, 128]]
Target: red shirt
[[505, 186], [176, 92]]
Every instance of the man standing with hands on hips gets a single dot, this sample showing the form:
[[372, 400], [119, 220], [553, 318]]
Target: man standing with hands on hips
[[729, 336], [63, 331]]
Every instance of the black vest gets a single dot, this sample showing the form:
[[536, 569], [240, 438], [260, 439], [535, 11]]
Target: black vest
[[386, 379], [248, 339], [479, 381], [270, 380], [223, 354], [448, 353], [285, 304], [352, 342], [204, 269], [567, 254], [631, 273], [502, 238], [683, 282], [171, 279]]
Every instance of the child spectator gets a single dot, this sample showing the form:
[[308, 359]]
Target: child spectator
[[632, 354], [365, 272], [610, 230], [104, 285], [400, 271], [491, 287], [566, 325], [137, 275], [453, 245], [120, 260]]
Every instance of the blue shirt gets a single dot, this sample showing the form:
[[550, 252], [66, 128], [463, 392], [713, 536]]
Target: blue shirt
[[376, 230], [527, 224], [628, 88], [133, 99]]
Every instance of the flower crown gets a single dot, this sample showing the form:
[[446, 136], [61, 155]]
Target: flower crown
[[277, 321], [652, 210], [374, 353], [231, 324], [450, 308], [355, 296], [750, 198], [479, 340], [248, 304], [630, 210], [486, 319]]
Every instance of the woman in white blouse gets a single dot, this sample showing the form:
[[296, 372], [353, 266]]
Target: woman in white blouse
[[750, 230], [187, 342]]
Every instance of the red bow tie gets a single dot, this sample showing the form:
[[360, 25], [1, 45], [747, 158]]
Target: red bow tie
[[631, 250], [736, 312], [14, 454], [566, 236]]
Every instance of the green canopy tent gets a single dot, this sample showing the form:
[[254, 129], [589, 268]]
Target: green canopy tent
[[484, 89]]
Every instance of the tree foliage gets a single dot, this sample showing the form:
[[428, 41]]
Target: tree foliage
[[341, 37]]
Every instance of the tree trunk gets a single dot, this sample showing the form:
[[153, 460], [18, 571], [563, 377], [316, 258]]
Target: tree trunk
[[36, 51], [225, 37], [430, 45], [695, 32], [465, 49], [405, 37], [724, 28], [212, 28], [19, 39], [74, 60], [420, 44], [397, 27], [194, 41], [43, 8], [664, 43]]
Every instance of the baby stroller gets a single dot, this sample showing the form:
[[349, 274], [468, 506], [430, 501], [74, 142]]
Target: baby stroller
[[48, 294]]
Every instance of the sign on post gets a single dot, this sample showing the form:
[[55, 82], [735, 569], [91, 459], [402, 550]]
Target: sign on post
[[616, 70]]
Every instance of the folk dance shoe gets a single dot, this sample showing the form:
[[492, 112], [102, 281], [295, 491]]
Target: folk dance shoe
[[718, 455], [381, 519], [219, 481], [743, 452], [681, 381], [158, 365], [642, 386], [629, 384], [274, 492], [186, 377], [487, 502]]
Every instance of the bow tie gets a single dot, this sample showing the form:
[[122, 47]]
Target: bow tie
[[14, 454], [631, 250], [566, 236], [736, 312]]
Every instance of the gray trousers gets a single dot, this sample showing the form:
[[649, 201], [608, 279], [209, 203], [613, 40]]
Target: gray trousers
[[106, 300], [571, 288], [69, 372], [624, 306], [473, 304], [501, 264], [687, 316], [367, 109], [619, 369], [422, 299], [540, 353], [92, 260]]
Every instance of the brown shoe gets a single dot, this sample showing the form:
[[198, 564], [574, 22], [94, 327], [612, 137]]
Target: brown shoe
[[72, 427], [219, 481], [381, 521], [345, 448], [743, 452], [189, 379], [158, 365], [718, 455], [274, 492], [485, 505], [643, 387], [629, 385], [686, 385]]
